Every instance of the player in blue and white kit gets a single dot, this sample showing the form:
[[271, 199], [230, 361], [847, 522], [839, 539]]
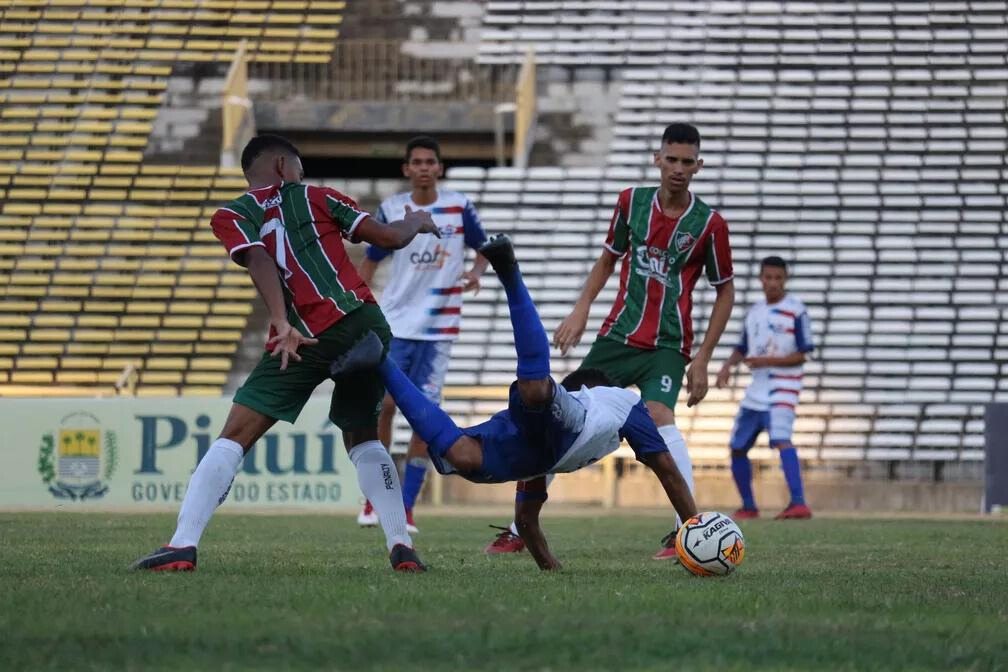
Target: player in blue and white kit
[[547, 428], [776, 336], [422, 300]]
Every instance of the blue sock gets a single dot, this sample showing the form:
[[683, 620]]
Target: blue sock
[[741, 470], [531, 342], [792, 473], [425, 417], [413, 480]]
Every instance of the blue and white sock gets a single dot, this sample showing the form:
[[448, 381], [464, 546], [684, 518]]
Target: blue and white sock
[[413, 478], [792, 473], [741, 469], [531, 342]]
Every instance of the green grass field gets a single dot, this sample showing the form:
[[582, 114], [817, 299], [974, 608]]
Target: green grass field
[[314, 592]]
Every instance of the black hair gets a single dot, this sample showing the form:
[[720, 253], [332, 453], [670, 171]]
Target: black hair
[[264, 143], [424, 141], [773, 261], [686, 134], [585, 378]]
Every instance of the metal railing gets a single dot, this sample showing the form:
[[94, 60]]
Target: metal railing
[[380, 70]]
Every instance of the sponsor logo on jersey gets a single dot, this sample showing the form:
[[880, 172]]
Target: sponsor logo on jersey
[[654, 263], [76, 460], [430, 260], [273, 201]]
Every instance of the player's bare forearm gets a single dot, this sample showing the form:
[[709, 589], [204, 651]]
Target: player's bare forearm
[[672, 481], [720, 313], [733, 359], [398, 234], [263, 271], [367, 270], [527, 522], [794, 359]]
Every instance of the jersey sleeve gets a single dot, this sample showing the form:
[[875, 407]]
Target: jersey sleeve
[[472, 227], [374, 252], [618, 239], [344, 211], [743, 344], [803, 333], [640, 432], [718, 263], [235, 229]]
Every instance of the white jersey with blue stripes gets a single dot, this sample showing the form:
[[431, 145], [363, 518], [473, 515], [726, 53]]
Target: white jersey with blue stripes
[[423, 297], [775, 330]]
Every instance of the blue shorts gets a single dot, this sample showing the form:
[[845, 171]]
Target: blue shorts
[[425, 363], [778, 422], [519, 443]]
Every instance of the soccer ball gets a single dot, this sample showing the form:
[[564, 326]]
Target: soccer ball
[[710, 544]]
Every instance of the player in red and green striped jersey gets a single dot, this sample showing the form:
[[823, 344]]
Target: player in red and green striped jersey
[[289, 236], [667, 238]]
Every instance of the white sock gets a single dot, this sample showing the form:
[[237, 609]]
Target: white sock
[[208, 487], [379, 481], [677, 448], [549, 479]]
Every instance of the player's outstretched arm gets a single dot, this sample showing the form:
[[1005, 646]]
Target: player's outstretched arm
[[398, 234], [569, 332], [672, 481], [529, 500], [263, 271], [696, 376]]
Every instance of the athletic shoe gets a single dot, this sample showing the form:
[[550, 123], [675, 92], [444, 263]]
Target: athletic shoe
[[668, 549], [366, 353], [168, 559], [506, 542], [794, 512], [745, 514], [499, 251], [410, 525], [367, 516], [405, 559]]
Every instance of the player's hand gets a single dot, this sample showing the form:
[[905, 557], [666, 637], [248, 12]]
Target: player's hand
[[470, 282], [696, 381], [423, 219], [723, 374], [569, 332], [286, 343]]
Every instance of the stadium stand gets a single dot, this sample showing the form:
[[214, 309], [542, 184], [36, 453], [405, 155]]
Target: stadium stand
[[863, 141], [106, 263]]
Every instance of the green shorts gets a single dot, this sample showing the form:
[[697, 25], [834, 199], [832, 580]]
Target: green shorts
[[355, 400], [658, 373]]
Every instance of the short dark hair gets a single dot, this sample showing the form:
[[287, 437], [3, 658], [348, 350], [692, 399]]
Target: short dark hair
[[773, 261], [585, 378], [424, 141], [263, 143], [686, 134]]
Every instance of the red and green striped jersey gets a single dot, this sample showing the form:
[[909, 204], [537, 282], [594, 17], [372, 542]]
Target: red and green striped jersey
[[662, 260], [301, 226]]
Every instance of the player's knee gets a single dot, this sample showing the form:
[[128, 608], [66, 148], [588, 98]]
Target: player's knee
[[535, 393], [466, 455], [781, 444]]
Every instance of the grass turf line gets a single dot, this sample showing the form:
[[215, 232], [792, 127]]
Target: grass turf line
[[317, 593]]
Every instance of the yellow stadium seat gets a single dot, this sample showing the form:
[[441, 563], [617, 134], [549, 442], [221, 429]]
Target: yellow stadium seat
[[160, 377], [104, 306], [183, 321], [80, 363], [171, 348], [12, 335], [31, 377], [111, 292], [43, 320], [51, 335], [201, 293], [75, 348], [46, 363], [9, 321], [22, 208], [77, 377], [97, 321], [68, 292]]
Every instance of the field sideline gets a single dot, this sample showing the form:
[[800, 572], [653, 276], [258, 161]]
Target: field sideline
[[314, 592]]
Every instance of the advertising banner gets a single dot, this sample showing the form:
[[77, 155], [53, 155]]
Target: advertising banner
[[138, 454]]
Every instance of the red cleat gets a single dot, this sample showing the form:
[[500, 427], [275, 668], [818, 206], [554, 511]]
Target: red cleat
[[405, 559], [410, 525], [666, 554], [745, 514], [794, 512], [506, 542]]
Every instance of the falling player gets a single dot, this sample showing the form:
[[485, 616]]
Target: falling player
[[547, 427], [776, 336], [289, 237], [667, 237], [423, 298]]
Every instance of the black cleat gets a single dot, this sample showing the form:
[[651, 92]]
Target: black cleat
[[168, 559], [367, 353], [405, 559], [499, 251]]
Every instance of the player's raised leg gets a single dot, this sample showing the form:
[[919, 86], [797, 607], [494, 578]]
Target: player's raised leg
[[781, 420], [208, 488]]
